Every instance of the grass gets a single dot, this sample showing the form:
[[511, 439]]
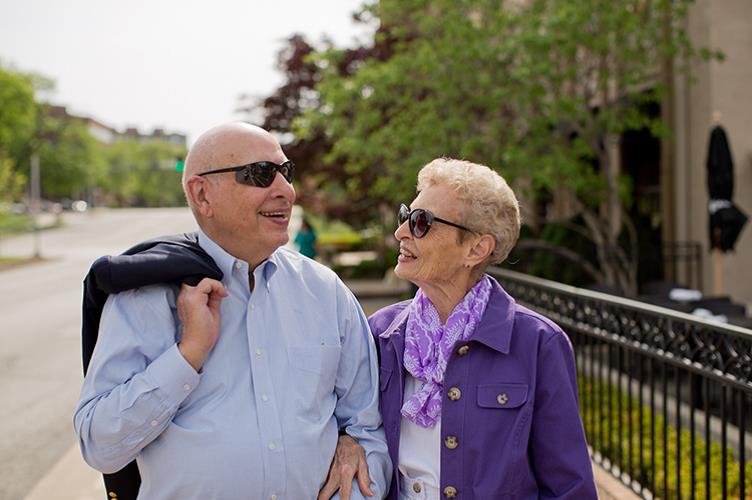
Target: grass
[[14, 223], [11, 262]]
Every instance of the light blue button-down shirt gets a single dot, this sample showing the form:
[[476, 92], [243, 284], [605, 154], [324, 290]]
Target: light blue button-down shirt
[[294, 362]]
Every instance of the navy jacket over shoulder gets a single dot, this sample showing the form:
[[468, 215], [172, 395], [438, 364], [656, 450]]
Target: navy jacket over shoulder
[[168, 259]]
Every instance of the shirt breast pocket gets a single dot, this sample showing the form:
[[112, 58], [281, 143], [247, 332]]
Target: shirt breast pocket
[[314, 372]]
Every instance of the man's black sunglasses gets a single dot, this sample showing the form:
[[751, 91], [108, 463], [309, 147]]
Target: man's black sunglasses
[[420, 220], [258, 174]]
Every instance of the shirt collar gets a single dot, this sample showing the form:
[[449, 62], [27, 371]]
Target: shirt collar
[[226, 262]]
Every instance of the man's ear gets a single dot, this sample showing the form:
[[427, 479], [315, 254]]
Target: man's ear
[[481, 249], [197, 190]]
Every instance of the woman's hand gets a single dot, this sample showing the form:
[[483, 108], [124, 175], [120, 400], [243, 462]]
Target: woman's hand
[[349, 460]]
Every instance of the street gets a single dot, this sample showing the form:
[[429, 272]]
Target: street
[[40, 359]]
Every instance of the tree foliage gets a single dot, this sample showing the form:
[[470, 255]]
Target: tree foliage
[[70, 159], [540, 90], [17, 120], [142, 174], [320, 177], [73, 164]]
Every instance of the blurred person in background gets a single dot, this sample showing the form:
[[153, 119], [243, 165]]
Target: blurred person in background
[[306, 239]]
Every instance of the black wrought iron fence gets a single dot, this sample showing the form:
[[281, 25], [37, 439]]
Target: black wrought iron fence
[[682, 263], [665, 397]]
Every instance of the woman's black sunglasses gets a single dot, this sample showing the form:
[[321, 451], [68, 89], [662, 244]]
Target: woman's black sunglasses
[[258, 174], [420, 220]]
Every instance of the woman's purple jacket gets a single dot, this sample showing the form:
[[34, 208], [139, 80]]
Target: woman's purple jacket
[[513, 429]]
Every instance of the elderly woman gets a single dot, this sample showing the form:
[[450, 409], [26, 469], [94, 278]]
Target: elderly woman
[[478, 393]]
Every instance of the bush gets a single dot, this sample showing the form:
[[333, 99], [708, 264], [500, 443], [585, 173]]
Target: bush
[[618, 448], [368, 269]]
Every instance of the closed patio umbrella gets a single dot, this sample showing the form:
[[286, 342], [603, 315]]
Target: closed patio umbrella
[[726, 221]]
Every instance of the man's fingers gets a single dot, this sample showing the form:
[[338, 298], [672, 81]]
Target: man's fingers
[[208, 291], [206, 286], [364, 480], [210, 286]]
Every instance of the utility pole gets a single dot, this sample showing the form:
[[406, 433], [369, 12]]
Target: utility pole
[[35, 202]]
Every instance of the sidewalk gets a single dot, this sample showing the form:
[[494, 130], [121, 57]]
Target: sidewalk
[[72, 479]]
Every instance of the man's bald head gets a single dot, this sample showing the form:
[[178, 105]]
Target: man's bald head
[[249, 222], [229, 145]]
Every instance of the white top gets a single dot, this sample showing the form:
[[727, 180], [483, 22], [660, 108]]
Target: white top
[[419, 453]]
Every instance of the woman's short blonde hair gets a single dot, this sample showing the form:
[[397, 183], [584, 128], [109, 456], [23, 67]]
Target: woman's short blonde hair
[[491, 206]]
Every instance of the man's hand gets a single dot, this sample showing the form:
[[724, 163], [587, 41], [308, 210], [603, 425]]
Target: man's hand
[[199, 312], [349, 459]]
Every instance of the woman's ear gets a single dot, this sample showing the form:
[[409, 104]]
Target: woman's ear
[[480, 249], [198, 196]]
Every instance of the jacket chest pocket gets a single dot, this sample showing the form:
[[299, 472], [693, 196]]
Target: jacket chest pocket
[[504, 411]]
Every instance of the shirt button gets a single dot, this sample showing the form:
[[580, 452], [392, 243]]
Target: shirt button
[[264, 397], [463, 350], [454, 394], [451, 442], [154, 423], [238, 265], [273, 497], [258, 352], [450, 492], [272, 446], [417, 488], [186, 387], [253, 307], [502, 398]]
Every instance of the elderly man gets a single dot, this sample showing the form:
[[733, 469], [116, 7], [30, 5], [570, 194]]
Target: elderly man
[[235, 388]]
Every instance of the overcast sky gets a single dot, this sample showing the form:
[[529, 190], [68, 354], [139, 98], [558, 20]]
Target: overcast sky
[[176, 64]]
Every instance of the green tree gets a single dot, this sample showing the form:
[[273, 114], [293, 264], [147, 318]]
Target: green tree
[[540, 90], [320, 177], [143, 174], [70, 158], [11, 182], [17, 121]]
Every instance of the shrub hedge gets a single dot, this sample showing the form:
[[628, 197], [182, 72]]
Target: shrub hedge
[[651, 475]]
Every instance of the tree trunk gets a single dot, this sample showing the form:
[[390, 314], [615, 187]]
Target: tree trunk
[[668, 232]]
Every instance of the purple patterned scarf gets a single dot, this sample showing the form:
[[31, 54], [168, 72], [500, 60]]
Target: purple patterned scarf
[[428, 345]]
